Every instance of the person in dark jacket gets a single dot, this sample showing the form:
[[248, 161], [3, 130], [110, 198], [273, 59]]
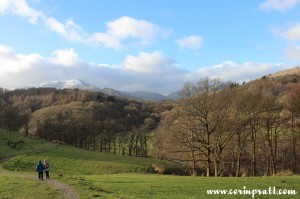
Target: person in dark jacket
[[40, 169]]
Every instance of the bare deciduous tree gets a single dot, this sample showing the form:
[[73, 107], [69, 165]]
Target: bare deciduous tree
[[202, 122]]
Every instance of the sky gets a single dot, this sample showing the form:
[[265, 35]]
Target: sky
[[155, 45]]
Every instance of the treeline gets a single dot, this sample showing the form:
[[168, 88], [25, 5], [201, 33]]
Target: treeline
[[242, 130], [89, 120], [216, 129]]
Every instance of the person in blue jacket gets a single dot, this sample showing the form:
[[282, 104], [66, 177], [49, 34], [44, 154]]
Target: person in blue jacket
[[40, 169]]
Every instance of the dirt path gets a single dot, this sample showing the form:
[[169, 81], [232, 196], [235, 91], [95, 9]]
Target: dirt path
[[69, 192]]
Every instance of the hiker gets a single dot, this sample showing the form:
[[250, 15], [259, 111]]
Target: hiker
[[47, 168], [40, 169]]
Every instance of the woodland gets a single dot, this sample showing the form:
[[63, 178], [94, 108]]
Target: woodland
[[215, 129]]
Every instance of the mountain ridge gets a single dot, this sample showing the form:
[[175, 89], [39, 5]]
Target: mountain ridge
[[140, 94], [69, 84], [79, 84]]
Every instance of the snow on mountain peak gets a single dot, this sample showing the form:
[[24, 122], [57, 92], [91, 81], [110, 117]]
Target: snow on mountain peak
[[68, 84]]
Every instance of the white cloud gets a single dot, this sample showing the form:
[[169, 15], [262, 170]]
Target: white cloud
[[11, 62], [191, 42], [124, 29], [107, 40], [56, 26], [70, 31], [239, 72], [146, 71], [21, 8], [127, 27], [66, 58], [19, 70], [279, 5], [150, 63], [293, 52], [293, 33]]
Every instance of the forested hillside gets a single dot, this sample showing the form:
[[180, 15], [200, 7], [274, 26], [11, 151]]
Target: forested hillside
[[215, 129], [84, 119], [243, 130]]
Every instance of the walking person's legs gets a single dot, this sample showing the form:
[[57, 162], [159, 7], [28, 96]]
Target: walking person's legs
[[41, 176], [47, 174]]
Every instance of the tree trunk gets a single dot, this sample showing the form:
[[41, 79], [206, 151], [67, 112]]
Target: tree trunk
[[208, 164], [294, 153], [238, 164], [145, 145], [101, 146], [216, 166], [253, 153], [136, 146], [294, 144], [275, 153], [115, 146], [194, 170]]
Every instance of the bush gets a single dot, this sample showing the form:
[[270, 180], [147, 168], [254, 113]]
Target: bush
[[284, 173], [171, 170]]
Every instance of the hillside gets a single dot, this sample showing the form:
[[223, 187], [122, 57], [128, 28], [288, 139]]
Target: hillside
[[94, 175], [79, 84], [144, 95], [64, 158], [170, 130], [291, 71]]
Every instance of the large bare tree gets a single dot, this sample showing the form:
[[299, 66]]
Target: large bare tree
[[202, 122]]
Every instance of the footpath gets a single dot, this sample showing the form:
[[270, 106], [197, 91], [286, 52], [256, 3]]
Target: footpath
[[69, 192]]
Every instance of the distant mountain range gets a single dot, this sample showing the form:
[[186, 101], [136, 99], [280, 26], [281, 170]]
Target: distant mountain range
[[137, 95], [69, 84]]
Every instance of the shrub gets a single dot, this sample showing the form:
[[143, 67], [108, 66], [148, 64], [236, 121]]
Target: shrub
[[284, 173]]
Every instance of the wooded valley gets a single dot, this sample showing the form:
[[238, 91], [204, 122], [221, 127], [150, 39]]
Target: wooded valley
[[215, 129]]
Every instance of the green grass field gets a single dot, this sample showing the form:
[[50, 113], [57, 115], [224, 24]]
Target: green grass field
[[68, 160], [98, 175], [166, 186], [29, 145], [12, 187]]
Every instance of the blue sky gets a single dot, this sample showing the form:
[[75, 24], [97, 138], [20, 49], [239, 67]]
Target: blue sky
[[153, 45]]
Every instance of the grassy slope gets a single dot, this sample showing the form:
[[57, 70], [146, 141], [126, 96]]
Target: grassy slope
[[29, 144], [166, 186], [68, 160], [20, 187], [124, 177]]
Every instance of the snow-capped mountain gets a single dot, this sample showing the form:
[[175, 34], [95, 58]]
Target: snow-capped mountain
[[69, 84], [78, 84]]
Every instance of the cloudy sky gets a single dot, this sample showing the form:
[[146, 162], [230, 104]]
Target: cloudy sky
[[155, 45]]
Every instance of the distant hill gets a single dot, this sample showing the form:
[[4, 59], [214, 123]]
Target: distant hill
[[144, 95], [136, 95], [69, 84], [291, 71], [174, 95], [112, 92]]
